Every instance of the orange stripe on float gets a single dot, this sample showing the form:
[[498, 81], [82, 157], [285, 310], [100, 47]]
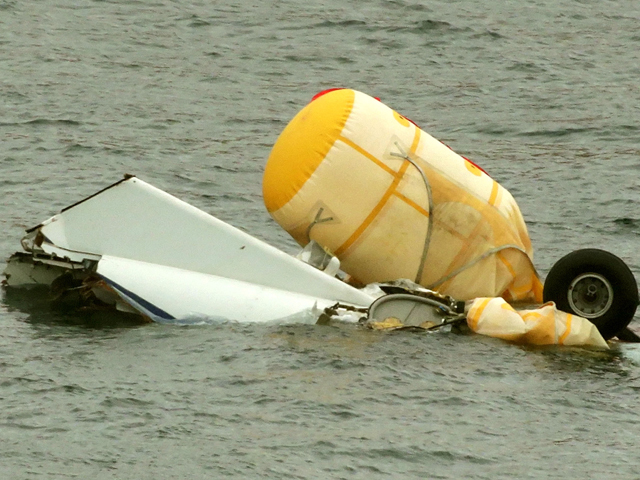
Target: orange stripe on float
[[567, 330], [499, 196], [494, 193], [506, 263], [363, 152], [411, 203], [374, 213], [474, 314], [516, 290], [531, 316], [416, 140], [464, 251], [383, 201], [521, 289]]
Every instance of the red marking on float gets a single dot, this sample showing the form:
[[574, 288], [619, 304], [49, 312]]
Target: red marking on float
[[324, 92]]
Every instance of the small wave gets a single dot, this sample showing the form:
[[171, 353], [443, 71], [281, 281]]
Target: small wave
[[417, 455], [386, 43], [457, 456], [195, 21], [21, 426], [626, 225], [418, 8], [492, 34], [528, 67], [125, 402], [627, 222], [76, 147], [431, 25], [199, 23], [13, 93], [232, 198], [221, 168], [495, 130], [41, 121], [630, 128], [560, 132], [329, 24], [343, 23], [428, 26]]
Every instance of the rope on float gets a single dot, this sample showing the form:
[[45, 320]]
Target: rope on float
[[427, 239]]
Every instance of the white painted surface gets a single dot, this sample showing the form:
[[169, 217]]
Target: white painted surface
[[134, 220], [166, 293]]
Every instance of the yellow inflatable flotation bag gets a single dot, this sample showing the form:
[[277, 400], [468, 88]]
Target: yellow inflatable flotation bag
[[390, 202]]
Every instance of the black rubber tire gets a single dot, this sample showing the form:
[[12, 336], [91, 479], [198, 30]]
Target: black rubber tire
[[615, 303]]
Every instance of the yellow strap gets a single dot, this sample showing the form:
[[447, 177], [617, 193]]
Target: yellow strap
[[374, 213], [366, 154], [476, 311], [383, 201], [495, 190], [567, 330], [411, 203]]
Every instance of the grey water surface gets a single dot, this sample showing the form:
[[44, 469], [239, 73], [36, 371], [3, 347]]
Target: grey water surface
[[190, 96]]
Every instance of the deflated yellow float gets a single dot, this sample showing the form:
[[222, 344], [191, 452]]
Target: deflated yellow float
[[390, 202], [545, 325]]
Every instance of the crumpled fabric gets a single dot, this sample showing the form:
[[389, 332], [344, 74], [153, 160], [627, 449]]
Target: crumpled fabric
[[545, 325]]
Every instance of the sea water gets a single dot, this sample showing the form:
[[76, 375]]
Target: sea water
[[190, 96]]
